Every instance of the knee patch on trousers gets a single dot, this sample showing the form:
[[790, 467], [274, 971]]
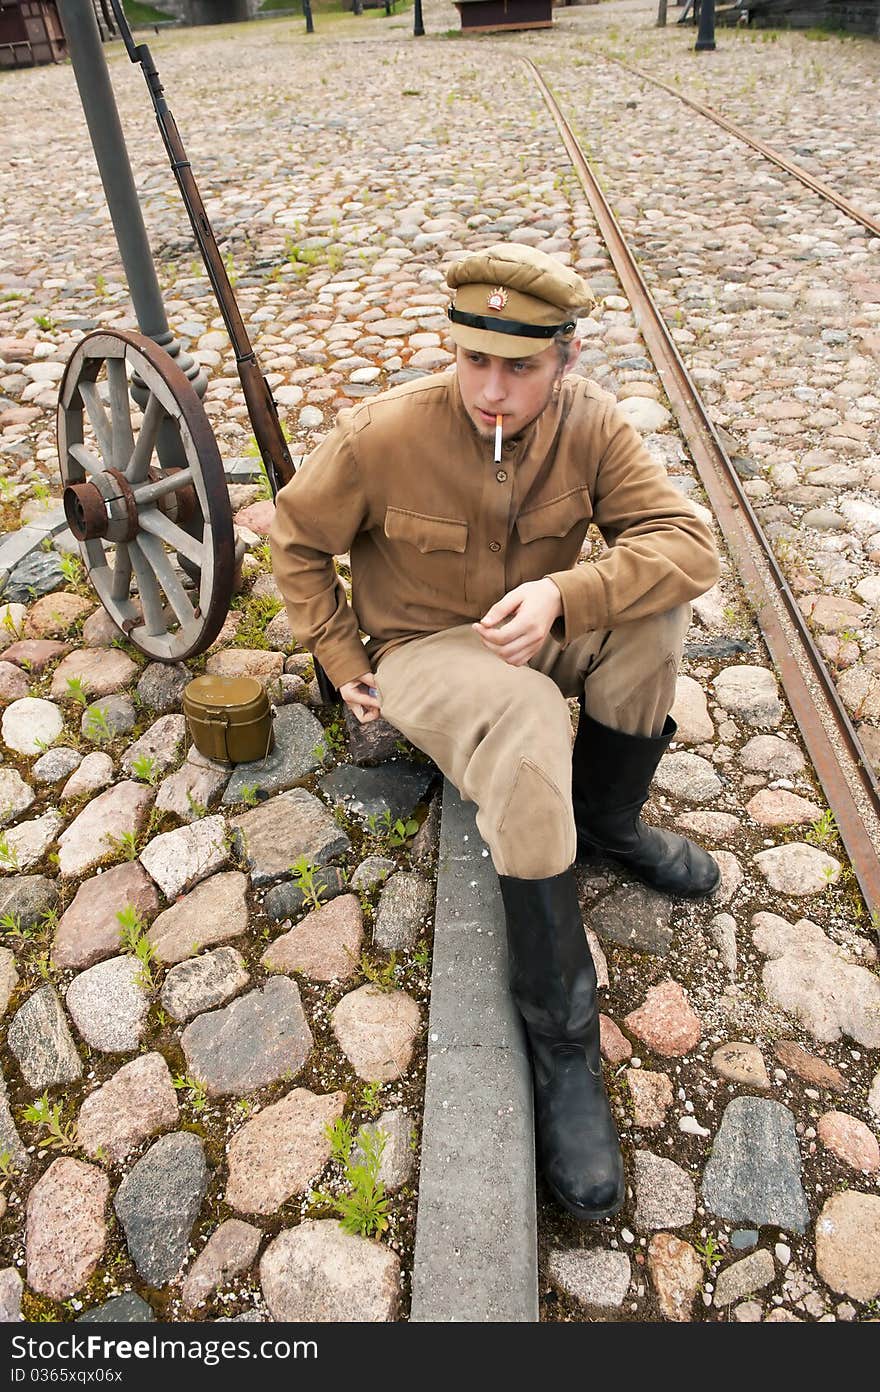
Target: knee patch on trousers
[[535, 832], [647, 703]]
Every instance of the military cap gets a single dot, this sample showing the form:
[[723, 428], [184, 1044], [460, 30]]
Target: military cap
[[512, 300]]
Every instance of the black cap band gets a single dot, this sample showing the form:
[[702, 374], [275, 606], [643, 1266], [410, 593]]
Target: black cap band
[[508, 326]]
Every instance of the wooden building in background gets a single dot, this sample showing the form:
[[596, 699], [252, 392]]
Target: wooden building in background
[[30, 33], [485, 16]]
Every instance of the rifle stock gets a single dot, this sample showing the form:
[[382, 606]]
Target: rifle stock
[[267, 427]]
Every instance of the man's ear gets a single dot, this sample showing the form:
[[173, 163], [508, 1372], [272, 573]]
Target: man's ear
[[574, 351]]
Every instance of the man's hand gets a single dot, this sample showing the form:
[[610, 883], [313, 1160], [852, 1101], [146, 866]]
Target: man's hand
[[362, 697], [515, 628]]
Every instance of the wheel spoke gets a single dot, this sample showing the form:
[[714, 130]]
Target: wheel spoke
[[86, 459], [158, 558], [98, 417], [120, 587], [148, 589], [120, 412], [168, 483], [146, 441], [153, 521]]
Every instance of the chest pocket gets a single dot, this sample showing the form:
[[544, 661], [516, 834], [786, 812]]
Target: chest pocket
[[556, 518], [439, 544], [551, 534]]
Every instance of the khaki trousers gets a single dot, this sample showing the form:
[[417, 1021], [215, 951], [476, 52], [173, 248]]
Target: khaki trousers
[[503, 734]]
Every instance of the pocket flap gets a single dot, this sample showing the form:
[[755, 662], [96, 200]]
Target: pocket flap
[[555, 518], [426, 533]]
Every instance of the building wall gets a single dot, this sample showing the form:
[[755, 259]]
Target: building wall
[[852, 16], [207, 11]]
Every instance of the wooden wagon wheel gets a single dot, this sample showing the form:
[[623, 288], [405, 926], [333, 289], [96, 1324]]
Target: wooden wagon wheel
[[163, 525]]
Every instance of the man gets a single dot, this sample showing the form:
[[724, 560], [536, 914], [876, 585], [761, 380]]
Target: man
[[464, 500]]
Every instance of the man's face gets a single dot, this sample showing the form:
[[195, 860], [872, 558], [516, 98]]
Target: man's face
[[517, 389]]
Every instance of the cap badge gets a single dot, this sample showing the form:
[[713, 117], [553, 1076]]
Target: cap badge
[[497, 299]]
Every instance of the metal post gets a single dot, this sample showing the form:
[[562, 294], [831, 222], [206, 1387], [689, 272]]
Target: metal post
[[307, 11], [661, 15], [108, 142], [418, 26], [706, 33]]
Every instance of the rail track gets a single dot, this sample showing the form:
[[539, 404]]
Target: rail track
[[841, 765], [775, 156]]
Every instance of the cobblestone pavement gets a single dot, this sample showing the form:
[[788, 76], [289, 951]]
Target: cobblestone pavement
[[742, 1035]]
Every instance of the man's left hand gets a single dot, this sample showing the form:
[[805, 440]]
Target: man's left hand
[[516, 627]]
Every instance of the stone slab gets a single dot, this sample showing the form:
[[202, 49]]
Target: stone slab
[[298, 751]]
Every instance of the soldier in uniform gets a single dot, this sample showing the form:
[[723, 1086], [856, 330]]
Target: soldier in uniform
[[464, 499]]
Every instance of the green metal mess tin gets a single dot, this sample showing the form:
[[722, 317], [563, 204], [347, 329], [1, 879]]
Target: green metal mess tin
[[229, 718]]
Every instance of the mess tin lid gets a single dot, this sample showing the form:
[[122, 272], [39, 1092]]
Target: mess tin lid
[[223, 691]]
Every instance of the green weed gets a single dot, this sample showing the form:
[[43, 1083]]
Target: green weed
[[370, 1099], [96, 725], [198, 809], [381, 975], [197, 1097], [125, 844], [72, 569], [256, 614], [8, 1170], [76, 691], [421, 954], [364, 1210], [11, 924], [710, 1251], [8, 855], [332, 742], [306, 877], [823, 832], [132, 931], [43, 1113], [396, 833], [145, 768]]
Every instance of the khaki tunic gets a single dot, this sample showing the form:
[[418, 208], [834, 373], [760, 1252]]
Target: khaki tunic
[[437, 532]]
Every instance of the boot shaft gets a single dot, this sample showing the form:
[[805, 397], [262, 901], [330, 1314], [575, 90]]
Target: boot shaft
[[611, 771], [551, 970]]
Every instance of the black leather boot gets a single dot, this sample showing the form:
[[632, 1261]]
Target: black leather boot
[[553, 981], [611, 775]]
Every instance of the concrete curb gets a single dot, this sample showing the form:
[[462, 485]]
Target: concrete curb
[[476, 1238]]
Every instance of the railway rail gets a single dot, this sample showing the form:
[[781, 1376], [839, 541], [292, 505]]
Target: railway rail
[[841, 765], [775, 156]]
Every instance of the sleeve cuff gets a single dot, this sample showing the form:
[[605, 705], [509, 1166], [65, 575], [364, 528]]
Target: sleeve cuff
[[344, 662], [583, 603]]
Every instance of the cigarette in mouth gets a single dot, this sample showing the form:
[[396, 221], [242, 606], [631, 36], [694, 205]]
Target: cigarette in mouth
[[498, 420]]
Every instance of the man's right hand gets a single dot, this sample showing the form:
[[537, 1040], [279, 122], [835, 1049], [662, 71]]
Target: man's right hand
[[362, 698]]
